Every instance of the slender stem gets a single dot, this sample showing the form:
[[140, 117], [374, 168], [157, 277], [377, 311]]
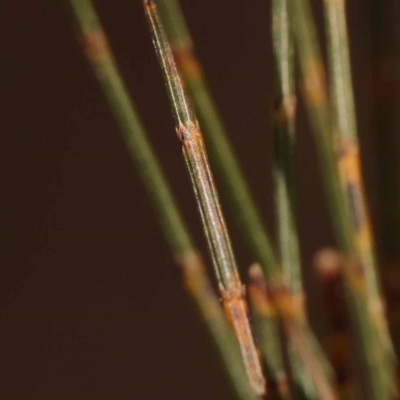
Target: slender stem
[[200, 289], [221, 152], [297, 336], [284, 138], [190, 136], [95, 45], [316, 97], [224, 159], [350, 167], [265, 314], [216, 139]]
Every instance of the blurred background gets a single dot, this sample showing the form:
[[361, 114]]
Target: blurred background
[[91, 304]]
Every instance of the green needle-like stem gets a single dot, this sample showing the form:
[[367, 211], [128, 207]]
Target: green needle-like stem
[[194, 152], [95, 45], [224, 159], [219, 148], [350, 170], [216, 139], [284, 138], [326, 137], [316, 383]]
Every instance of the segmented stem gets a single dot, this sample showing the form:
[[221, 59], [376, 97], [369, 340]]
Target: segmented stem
[[326, 137], [193, 148], [284, 139], [95, 46], [350, 169]]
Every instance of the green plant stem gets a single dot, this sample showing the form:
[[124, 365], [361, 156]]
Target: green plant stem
[[225, 161], [350, 169], [220, 150], [190, 136], [307, 358], [316, 97], [265, 315], [284, 138], [95, 45], [216, 139]]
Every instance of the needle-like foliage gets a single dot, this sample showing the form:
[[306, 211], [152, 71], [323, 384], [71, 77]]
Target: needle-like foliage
[[194, 152], [95, 45], [292, 356]]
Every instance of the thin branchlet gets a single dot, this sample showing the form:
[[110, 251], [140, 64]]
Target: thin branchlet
[[194, 152], [284, 114], [325, 130], [95, 46]]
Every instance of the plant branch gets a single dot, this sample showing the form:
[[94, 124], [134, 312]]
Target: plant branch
[[95, 46]]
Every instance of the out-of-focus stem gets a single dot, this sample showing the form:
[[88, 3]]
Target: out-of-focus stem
[[304, 348], [326, 137], [95, 45], [223, 157], [350, 168], [284, 138]]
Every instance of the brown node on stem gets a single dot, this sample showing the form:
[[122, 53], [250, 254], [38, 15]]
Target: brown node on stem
[[196, 281], [314, 83], [95, 45], [284, 109], [349, 161], [186, 62], [328, 264], [258, 292], [235, 307]]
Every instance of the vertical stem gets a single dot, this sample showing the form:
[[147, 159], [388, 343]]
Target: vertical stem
[[356, 282], [308, 359], [284, 138], [224, 159], [350, 171], [216, 139], [190, 136], [95, 46], [265, 315], [220, 149]]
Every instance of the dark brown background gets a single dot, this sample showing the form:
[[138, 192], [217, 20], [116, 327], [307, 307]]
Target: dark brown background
[[90, 301]]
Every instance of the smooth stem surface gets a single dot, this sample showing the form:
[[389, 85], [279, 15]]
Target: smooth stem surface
[[325, 134], [220, 150], [190, 136], [284, 138], [216, 139], [350, 168], [223, 157], [95, 46]]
